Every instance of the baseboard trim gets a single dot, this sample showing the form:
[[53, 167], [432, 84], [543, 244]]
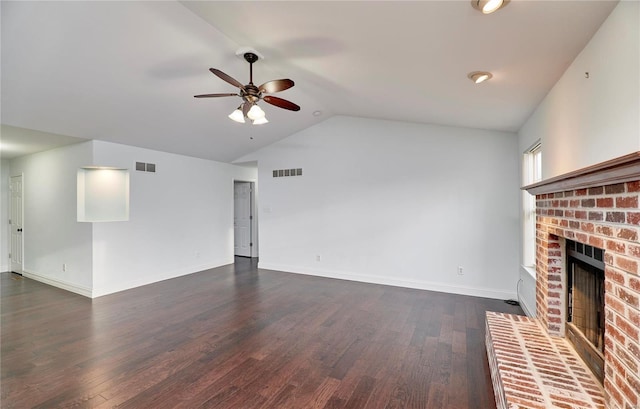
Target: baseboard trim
[[99, 292], [527, 278], [58, 283], [526, 308], [419, 285], [102, 291]]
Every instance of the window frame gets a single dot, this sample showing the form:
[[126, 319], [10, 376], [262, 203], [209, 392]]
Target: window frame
[[531, 173]]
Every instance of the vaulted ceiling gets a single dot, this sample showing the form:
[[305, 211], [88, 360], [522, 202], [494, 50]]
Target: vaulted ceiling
[[126, 72]]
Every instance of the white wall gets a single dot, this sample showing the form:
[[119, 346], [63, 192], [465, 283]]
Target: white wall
[[4, 215], [180, 222], [52, 237], [582, 122], [586, 121], [394, 203], [181, 218]]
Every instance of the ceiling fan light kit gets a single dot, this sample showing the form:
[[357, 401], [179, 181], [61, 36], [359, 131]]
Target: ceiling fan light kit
[[237, 115], [255, 112], [251, 94], [488, 6]]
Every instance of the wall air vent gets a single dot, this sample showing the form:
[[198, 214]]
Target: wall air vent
[[146, 167], [287, 172]]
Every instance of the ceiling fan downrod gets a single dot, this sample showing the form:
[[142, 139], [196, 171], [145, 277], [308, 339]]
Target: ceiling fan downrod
[[250, 58]]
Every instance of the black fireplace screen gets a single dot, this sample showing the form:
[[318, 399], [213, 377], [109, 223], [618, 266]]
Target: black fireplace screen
[[586, 291]]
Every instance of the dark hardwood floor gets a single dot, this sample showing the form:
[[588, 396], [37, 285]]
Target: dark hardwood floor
[[239, 337]]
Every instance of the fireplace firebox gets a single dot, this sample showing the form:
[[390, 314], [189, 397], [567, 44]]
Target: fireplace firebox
[[585, 304]]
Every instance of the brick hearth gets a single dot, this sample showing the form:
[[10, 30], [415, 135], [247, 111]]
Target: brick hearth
[[533, 370]]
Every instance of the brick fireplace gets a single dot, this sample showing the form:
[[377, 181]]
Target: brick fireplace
[[598, 206]]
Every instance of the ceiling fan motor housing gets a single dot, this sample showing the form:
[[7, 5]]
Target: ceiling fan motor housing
[[250, 93]]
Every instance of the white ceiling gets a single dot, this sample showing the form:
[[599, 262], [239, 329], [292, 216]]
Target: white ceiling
[[16, 142], [126, 72]]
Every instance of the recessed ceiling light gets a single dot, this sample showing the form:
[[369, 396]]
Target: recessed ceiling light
[[479, 76], [317, 113], [488, 6]]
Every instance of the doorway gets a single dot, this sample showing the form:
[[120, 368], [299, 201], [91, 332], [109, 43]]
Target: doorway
[[244, 231], [16, 222]]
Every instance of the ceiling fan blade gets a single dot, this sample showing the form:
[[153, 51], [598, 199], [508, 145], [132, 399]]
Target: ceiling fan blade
[[227, 78], [270, 87], [281, 103], [245, 108], [215, 95]]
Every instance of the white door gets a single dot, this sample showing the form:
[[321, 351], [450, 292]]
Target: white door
[[242, 219], [16, 221]]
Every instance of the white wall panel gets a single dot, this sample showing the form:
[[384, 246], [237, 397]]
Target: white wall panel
[[52, 235], [394, 203], [180, 221], [584, 121], [4, 215]]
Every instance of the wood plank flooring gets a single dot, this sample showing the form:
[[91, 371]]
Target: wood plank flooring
[[240, 337]]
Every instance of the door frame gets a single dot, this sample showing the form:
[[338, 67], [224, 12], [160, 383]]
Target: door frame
[[10, 226], [253, 213]]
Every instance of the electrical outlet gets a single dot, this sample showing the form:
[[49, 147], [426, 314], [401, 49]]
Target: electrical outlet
[[64, 267], [318, 258], [460, 272]]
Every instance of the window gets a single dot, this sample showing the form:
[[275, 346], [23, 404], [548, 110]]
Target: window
[[531, 173]]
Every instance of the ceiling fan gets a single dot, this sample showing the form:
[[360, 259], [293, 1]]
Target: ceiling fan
[[251, 94]]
